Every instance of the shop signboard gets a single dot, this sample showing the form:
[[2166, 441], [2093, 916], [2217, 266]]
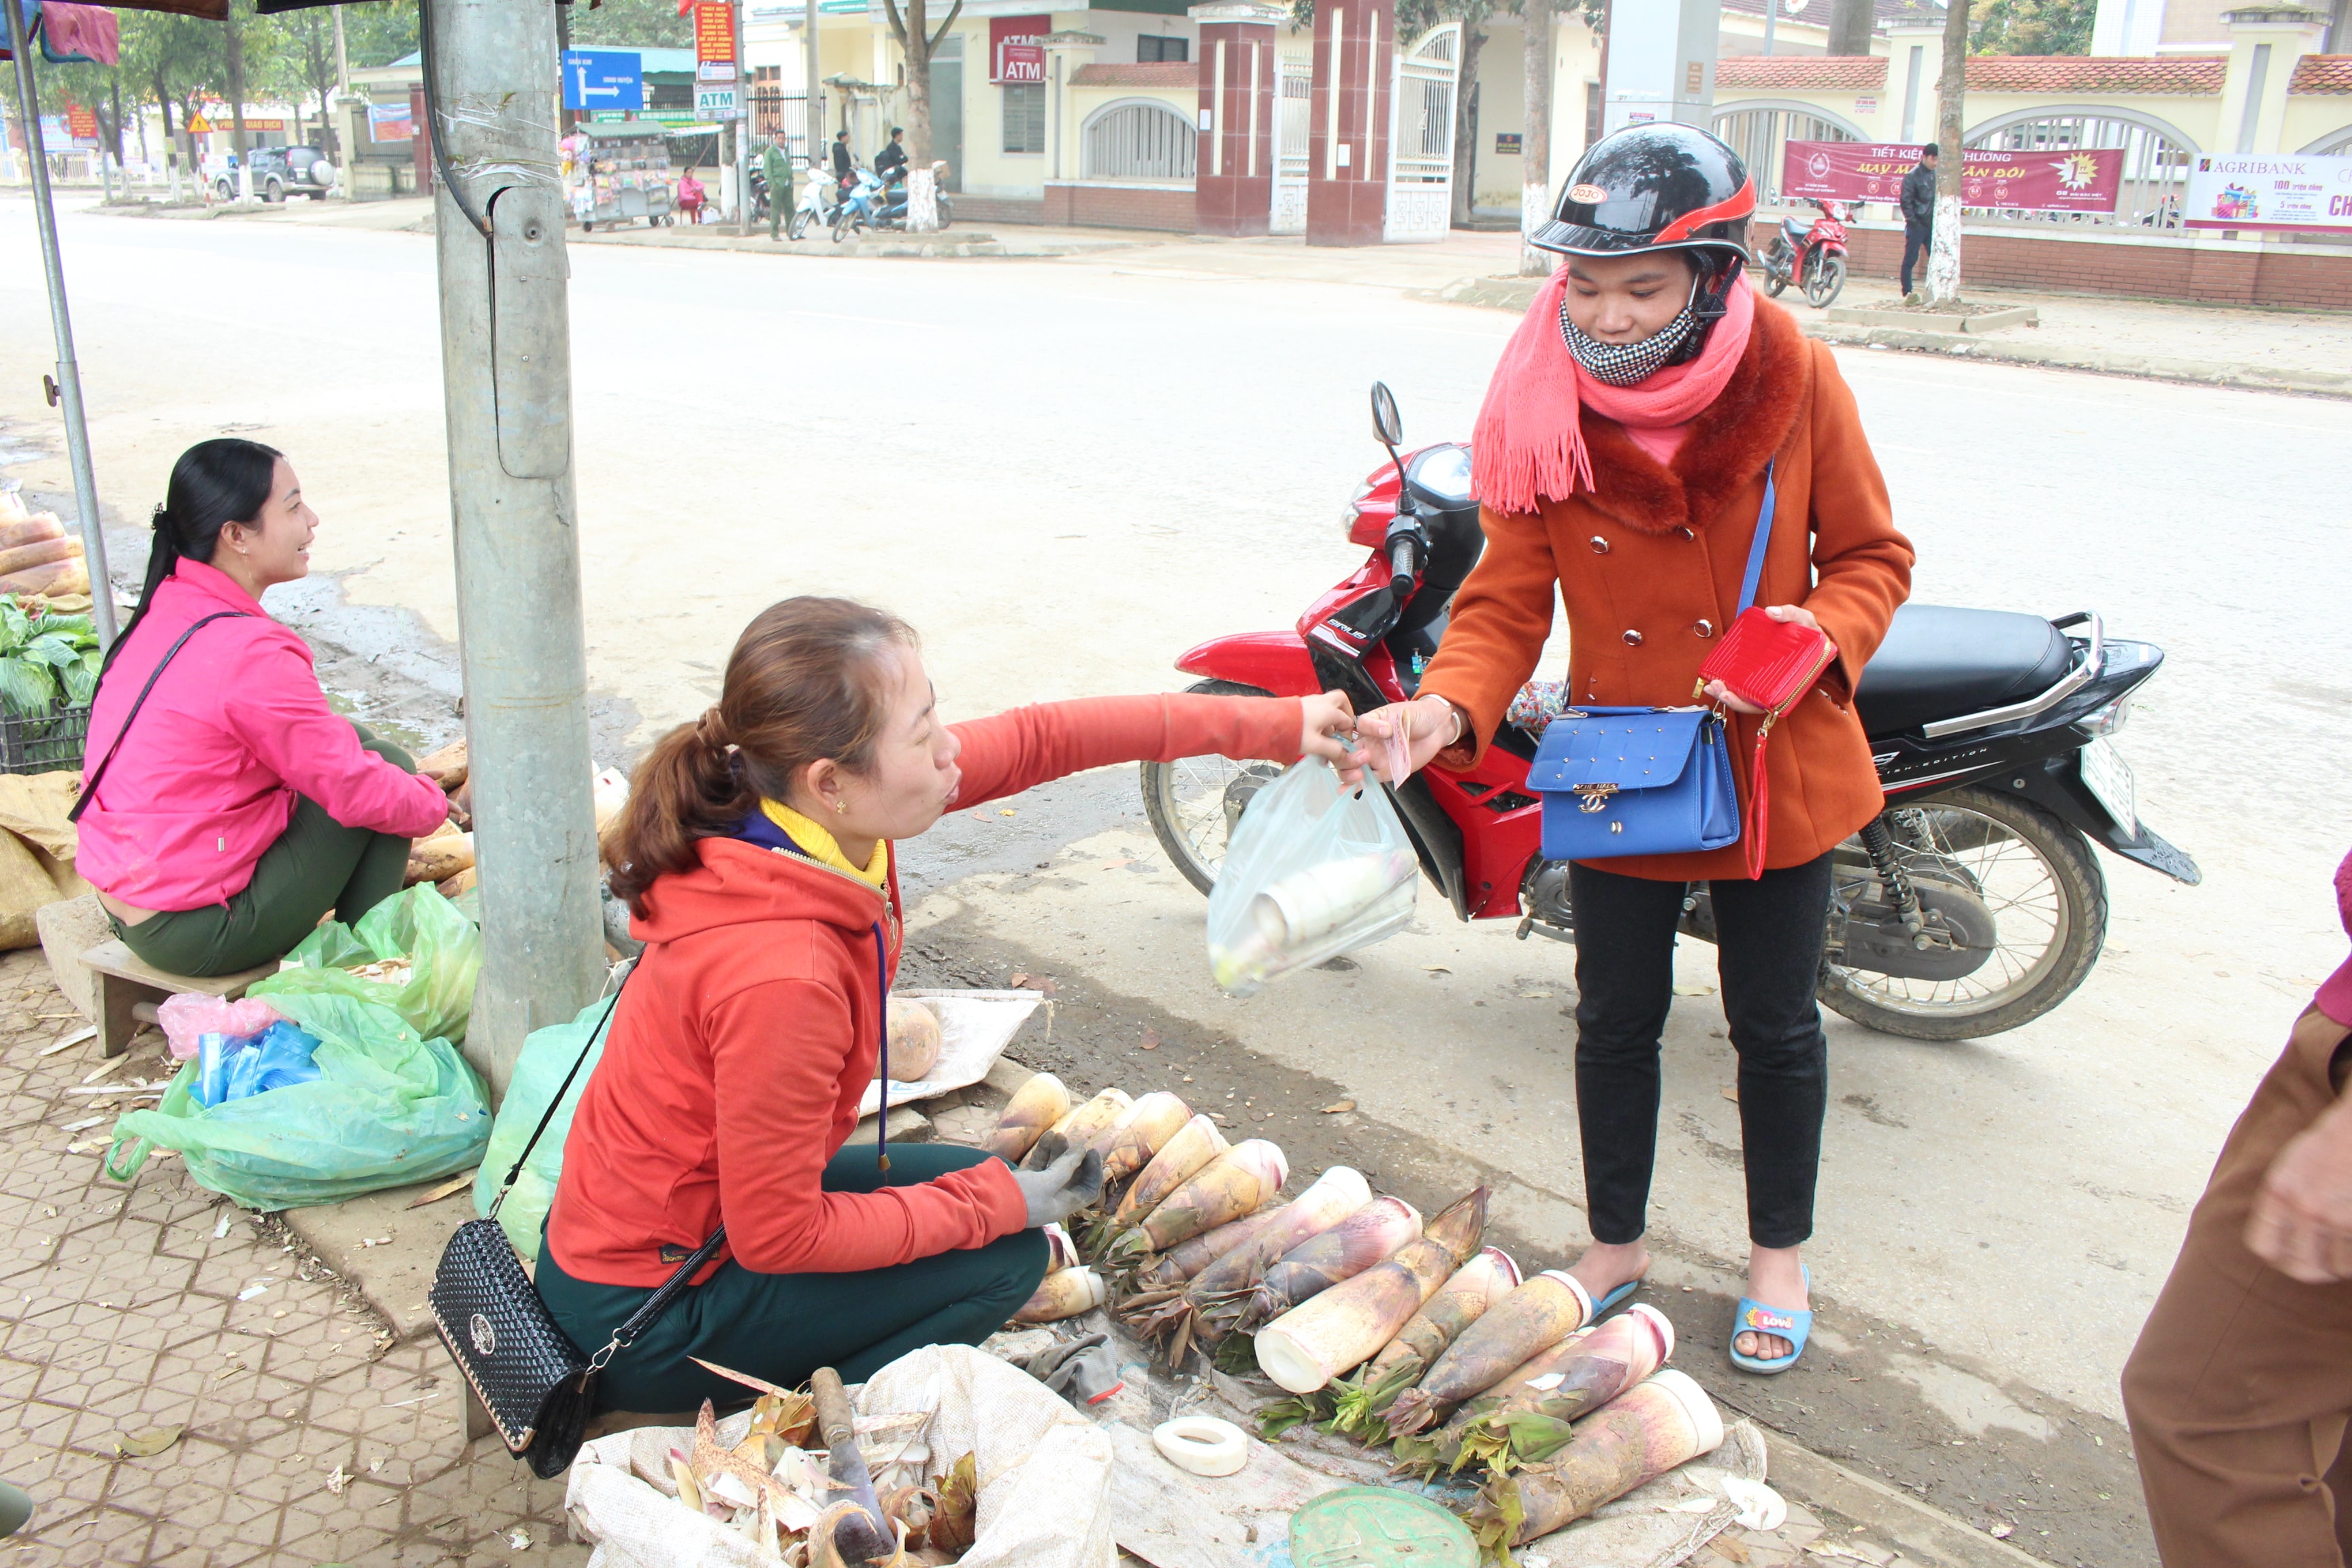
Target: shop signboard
[[716, 100], [714, 31], [391, 123], [81, 123], [2270, 192], [603, 79], [1016, 48], [2078, 180]]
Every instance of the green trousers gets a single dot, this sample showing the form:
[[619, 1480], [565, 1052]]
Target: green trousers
[[317, 865], [782, 1327]]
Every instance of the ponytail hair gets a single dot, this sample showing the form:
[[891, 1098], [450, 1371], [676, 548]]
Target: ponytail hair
[[809, 679], [214, 484]]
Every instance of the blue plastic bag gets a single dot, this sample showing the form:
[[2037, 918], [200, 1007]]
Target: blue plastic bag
[[232, 1067], [547, 1055], [388, 1108]]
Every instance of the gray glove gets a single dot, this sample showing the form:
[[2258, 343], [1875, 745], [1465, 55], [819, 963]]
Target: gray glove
[[1062, 1188]]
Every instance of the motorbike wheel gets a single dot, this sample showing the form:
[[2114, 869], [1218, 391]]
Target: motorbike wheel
[[2036, 877], [841, 227], [1193, 801], [1824, 280], [798, 225], [947, 212], [1774, 281]]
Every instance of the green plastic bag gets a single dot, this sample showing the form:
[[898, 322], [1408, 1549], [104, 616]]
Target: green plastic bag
[[388, 1108], [443, 947], [547, 1055]]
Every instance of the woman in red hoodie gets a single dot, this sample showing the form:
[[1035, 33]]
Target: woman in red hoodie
[[756, 855]]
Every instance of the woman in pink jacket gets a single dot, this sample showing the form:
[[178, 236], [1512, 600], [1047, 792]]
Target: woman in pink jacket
[[226, 806]]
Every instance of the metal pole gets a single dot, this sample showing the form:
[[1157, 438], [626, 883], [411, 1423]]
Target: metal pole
[[812, 108], [68, 386], [1771, 18], [506, 367], [742, 127]]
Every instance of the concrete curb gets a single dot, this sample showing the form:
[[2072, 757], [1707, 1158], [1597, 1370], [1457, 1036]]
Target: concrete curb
[[1517, 293], [976, 246], [1928, 1535]]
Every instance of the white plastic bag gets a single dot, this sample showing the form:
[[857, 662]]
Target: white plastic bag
[[1044, 1473], [1315, 869]]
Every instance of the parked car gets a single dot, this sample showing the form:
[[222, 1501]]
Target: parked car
[[280, 173]]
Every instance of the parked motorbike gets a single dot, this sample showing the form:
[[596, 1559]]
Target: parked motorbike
[[820, 201], [859, 205], [1971, 905], [1811, 255], [893, 214]]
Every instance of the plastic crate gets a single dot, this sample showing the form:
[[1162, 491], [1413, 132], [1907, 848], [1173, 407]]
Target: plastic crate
[[43, 743]]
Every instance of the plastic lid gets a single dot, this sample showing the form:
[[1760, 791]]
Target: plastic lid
[[1378, 1525]]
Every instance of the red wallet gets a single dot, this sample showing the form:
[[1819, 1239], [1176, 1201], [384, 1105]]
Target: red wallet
[[1770, 663]]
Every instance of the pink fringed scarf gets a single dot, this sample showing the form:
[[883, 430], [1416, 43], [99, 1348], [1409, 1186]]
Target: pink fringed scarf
[[1529, 443]]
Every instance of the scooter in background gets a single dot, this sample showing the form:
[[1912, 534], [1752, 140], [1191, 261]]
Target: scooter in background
[[1970, 905], [819, 200], [1812, 257]]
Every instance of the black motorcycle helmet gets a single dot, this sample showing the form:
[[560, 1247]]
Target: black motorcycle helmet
[[1662, 185]]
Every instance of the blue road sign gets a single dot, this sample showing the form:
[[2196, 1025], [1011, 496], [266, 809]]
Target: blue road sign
[[604, 79]]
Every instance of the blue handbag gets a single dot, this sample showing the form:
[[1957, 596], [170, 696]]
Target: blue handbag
[[1642, 781]]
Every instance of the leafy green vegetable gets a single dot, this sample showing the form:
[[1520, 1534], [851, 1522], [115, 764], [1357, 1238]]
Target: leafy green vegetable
[[42, 653]]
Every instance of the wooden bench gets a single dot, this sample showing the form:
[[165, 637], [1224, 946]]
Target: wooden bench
[[127, 990]]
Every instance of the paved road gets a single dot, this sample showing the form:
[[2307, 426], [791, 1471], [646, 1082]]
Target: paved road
[[1067, 472]]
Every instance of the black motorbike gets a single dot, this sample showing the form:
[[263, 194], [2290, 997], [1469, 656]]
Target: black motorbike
[[1971, 905]]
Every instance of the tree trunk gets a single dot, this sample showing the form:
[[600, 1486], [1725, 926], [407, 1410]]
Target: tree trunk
[[234, 42], [1944, 244], [1850, 23], [1465, 120], [1535, 137], [916, 38]]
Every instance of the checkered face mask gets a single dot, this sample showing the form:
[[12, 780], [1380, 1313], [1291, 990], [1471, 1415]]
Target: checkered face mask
[[1629, 364]]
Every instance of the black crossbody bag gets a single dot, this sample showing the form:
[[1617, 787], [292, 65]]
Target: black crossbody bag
[[537, 1386]]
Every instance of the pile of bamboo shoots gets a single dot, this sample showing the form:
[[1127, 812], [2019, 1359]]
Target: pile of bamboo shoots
[[38, 555], [1383, 1329]]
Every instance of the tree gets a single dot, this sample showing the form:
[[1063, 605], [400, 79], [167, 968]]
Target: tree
[[306, 59], [1850, 23], [1944, 248], [177, 61], [919, 43], [383, 31], [1535, 137], [619, 22], [2034, 28]]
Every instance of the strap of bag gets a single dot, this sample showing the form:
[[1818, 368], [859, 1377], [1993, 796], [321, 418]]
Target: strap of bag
[[1760, 781], [560, 1089], [1764, 521], [89, 789]]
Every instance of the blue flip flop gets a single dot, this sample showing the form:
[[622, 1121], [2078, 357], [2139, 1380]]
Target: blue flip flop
[[1752, 1316], [1615, 1299]]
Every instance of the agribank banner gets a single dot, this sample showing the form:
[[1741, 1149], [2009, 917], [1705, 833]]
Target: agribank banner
[[2084, 180], [2270, 192], [1016, 51]]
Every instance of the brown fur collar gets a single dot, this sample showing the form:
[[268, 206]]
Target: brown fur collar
[[1726, 446]]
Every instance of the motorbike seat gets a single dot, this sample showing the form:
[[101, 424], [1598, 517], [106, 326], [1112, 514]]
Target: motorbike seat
[[1794, 229], [1941, 662]]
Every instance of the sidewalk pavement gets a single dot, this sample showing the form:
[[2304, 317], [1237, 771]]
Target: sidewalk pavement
[[309, 1434]]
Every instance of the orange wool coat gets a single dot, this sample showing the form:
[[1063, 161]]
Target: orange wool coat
[[1648, 563]]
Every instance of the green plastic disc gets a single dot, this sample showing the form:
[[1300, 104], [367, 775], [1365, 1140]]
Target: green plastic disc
[[1379, 1527]]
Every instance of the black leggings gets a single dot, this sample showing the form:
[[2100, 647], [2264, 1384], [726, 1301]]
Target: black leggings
[[1768, 935]]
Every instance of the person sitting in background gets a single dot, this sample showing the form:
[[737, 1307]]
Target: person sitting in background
[[226, 806], [892, 160], [691, 197]]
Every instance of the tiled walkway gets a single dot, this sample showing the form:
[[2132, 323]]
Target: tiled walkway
[[310, 1437]]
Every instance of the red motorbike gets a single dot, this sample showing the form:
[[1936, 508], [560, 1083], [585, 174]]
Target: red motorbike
[[1970, 906], [1811, 255]]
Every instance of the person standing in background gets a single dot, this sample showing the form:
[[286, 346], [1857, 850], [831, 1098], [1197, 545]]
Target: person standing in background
[[844, 164], [776, 168], [2239, 1390], [1919, 212]]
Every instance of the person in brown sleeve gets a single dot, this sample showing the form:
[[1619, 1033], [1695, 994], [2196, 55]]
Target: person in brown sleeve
[[1621, 460], [2240, 1386]]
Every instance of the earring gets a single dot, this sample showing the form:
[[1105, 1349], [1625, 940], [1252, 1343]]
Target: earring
[[841, 805]]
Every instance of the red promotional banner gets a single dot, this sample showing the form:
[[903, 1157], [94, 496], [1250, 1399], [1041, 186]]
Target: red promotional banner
[[2083, 180], [1016, 48], [714, 33], [80, 123]]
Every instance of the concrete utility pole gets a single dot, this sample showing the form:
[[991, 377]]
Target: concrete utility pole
[[1944, 244], [813, 108], [506, 369], [743, 124], [1535, 137], [66, 387]]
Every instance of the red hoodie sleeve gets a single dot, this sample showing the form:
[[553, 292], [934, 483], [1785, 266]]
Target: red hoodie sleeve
[[1011, 752], [778, 1051]]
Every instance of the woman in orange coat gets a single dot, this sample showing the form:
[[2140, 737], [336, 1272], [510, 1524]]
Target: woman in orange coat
[[1622, 459]]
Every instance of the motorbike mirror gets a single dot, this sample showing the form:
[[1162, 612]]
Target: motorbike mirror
[[1385, 423]]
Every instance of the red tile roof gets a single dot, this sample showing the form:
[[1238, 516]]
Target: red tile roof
[[2184, 75], [1802, 73], [1154, 73], [2322, 73], [1883, 12]]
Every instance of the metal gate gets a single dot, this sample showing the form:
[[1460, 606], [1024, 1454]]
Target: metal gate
[[1420, 136], [1294, 90]]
